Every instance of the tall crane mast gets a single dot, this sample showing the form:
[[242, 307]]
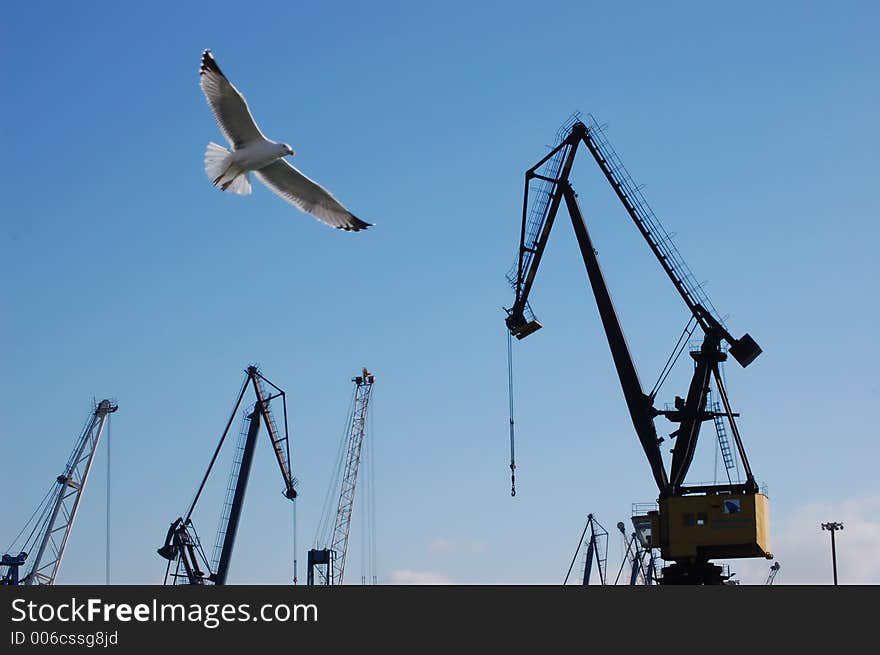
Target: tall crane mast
[[684, 510], [187, 561], [332, 559], [55, 517]]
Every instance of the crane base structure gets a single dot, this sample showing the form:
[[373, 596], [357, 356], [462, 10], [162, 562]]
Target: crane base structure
[[693, 524], [697, 528]]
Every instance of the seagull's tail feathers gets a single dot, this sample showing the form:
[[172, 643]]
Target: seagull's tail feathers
[[217, 161], [222, 173]]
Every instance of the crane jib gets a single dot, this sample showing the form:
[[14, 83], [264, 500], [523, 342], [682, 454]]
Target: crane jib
[[551, 177], [744, 349]]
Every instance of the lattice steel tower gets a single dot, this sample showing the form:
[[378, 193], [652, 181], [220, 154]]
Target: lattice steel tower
[[333, 558], [54, 519]]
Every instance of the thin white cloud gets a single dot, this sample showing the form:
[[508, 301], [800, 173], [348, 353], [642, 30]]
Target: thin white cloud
[[454, 546], [408, 577], [803, 549]]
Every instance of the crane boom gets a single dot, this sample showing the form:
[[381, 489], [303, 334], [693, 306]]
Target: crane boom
[[744, 350], [280, 443], [182, 544], [640, 404], [64, 501], [342, 526], [232, 510], [329, 561]]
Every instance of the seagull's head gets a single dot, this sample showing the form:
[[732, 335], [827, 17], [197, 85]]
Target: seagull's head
[[286, 150]]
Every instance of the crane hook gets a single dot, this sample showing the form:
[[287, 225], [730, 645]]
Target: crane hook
[[510, 398]]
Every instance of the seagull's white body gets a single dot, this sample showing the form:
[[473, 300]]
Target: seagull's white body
[[253, 152], [257, 155]]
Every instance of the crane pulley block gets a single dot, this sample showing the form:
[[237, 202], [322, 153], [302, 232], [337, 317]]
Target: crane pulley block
[[520, 327]]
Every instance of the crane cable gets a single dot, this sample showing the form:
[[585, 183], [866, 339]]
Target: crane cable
[[198, 494], [371, 488], [295, 577], [368, 515], [324, 533], [42, 509], [107, 551], [293, 500], [510, 397], [676, 353]]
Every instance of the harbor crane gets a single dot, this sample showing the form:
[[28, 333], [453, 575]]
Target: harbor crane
[[638, 555], [187, 560], [694, 524], [326, 566], [596, 551], [52, 522]]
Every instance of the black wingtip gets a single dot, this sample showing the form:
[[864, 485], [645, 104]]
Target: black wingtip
[[208, 64], [357, 226]]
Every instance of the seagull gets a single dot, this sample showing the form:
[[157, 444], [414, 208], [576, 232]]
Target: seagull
[[253, 152]]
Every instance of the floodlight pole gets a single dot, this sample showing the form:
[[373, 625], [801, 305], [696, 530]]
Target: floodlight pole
[[833, 527]]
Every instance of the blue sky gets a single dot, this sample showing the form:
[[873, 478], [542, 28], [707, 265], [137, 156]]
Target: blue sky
[[126, 274]]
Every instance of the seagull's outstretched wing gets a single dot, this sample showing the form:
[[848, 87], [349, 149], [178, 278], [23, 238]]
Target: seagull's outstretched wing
[[227, 104], [309, 196]]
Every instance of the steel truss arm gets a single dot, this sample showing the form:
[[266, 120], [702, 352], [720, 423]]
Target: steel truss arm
[[280, 444], [67, 500], [745, 350], [530, 253], [342, 524]]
